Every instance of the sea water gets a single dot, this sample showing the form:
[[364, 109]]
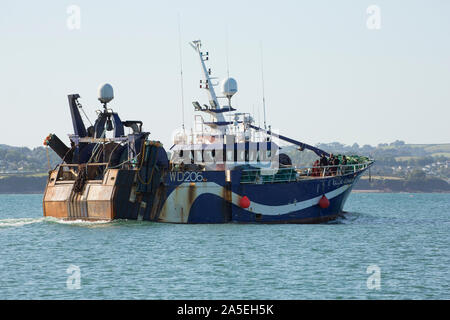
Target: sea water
[[389, 246]]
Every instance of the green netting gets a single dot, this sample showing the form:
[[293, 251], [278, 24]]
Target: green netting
[[353, 159]]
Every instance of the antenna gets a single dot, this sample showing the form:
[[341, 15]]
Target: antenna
[[259, 117], [228, 66], [181, 71], [262, 79], [254, 114], [226, 50]]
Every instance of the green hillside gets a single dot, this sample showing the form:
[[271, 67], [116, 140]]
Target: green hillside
[[25, 170]]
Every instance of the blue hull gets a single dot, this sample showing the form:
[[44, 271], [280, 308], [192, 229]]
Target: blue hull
[[206, 197]]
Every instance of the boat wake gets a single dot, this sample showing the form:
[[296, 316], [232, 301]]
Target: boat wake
[[19, 222], [346, 218], [77, 222]]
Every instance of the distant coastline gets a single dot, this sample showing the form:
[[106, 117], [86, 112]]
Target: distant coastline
[[399, 167], [36, 185], [415, 184], [23, 184], [389, 191]]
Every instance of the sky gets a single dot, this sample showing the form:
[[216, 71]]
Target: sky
[[333, 70]]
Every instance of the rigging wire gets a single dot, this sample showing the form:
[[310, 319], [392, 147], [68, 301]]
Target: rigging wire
[[86, 116], [226, 51], [262, 80], [81, 108], [228, 64], [181, 72]]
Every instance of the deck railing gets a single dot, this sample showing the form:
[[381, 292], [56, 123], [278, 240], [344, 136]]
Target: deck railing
[[291, 174]]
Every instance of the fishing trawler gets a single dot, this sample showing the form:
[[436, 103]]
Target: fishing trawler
[[226, 169]]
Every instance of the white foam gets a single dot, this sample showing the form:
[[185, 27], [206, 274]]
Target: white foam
[[19, 222], [77, 222]]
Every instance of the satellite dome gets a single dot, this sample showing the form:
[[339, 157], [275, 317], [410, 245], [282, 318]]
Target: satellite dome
[[105, 93], [229, 87]]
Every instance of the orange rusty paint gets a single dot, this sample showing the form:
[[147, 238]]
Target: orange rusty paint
[[159, 200], [55, 209], [180, 202], [95, 202]]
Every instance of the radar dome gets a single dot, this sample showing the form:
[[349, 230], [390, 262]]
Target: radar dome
[[229, 87], [105, 93]]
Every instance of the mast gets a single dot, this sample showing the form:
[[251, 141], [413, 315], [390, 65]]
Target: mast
[[209, 86]]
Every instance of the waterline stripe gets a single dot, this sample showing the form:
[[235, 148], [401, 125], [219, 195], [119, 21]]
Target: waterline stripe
[[287, 208], [172, 207]]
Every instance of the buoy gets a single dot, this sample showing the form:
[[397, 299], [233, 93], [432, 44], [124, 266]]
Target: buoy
[[244, 202], [324, 202]]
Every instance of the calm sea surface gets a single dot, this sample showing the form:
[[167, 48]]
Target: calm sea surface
[[403, 238]]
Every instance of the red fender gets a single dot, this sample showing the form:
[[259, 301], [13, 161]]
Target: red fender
[[244, 202], [324, 202]]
